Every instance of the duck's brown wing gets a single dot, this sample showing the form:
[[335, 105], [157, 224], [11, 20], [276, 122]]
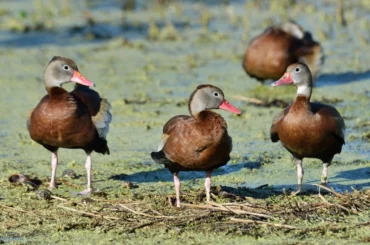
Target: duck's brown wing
[[169, 127], [333, 120], [159, 156], [99, 108], [274, 134], [28, 122]]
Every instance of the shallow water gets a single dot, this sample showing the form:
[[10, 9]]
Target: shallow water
[[162, 74]]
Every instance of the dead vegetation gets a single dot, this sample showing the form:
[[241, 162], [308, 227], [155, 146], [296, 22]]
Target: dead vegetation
[[232, 213]]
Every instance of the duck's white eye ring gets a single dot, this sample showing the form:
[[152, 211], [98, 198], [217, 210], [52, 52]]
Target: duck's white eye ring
[[216, 94], [65, 67], [297, 69]]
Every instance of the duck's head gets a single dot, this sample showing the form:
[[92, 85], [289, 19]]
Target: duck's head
[[300, 75], [207, 97], [63, 70]]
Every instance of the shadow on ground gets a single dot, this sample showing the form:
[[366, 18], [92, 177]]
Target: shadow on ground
[[164, 174], [341, 78]]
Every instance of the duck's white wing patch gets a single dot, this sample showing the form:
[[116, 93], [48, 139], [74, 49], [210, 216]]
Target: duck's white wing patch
[[163, 141], [103, 118], [293, 29]]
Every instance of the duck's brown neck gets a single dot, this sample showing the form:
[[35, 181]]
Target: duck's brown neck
[[301, 104], [204, 115], [55, 91]]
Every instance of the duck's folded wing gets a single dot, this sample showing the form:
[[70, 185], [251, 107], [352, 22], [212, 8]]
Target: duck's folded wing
[[274, 135], [99, 108], [335, 123], [169, 127]]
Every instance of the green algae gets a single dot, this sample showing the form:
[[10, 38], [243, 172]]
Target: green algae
[[149, 82]]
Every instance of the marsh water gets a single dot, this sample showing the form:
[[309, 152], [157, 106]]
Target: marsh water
[[146, 61]]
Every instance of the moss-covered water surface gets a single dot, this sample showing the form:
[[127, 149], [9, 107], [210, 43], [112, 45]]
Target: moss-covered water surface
[[147, 61]]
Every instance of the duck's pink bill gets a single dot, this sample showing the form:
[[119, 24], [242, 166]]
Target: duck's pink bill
[[225, 105], [78, 78], [285, 79]]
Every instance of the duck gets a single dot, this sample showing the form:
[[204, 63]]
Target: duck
[[199, 141], [306, 129], [269, 54], [74, 120]]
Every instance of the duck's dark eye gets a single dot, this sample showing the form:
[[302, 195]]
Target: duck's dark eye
[[65, 67], [215, 94], [297, 69]]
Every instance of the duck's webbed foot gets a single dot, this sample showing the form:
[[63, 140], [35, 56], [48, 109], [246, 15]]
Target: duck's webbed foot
[[324, 175]]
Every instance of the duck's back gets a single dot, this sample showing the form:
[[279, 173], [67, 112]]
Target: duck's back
[[268, 55]]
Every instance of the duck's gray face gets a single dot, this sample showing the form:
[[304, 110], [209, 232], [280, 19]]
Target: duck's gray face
[[62, 70], [210, 97], [297, 74]]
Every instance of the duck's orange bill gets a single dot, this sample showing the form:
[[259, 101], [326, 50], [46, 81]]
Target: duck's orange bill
[[285, 79], [78, 78], [225, 105]]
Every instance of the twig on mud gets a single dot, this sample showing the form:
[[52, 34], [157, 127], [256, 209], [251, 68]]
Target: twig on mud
[[140, 226], [89, 214], [330, 190], [17, 210], [160, 216], [14, 209], [131, 202], [250, 100], [147, 215], [59, 198], [334, 204], [219, 207], [249, 221], [242, 211]]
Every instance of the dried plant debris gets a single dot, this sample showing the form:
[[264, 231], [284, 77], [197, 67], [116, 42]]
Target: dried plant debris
[[233, 211]]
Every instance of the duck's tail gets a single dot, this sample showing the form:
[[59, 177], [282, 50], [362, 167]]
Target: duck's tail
[[160, 157], [101, 146]]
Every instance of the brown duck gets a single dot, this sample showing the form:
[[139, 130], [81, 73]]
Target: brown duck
[[198, 142], [76, 120], [269, 54], [305, 129]]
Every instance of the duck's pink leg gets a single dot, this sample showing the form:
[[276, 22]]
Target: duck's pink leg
[[54, 164], [88, 171], [176, 181], [207, 185], [299, 176]]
